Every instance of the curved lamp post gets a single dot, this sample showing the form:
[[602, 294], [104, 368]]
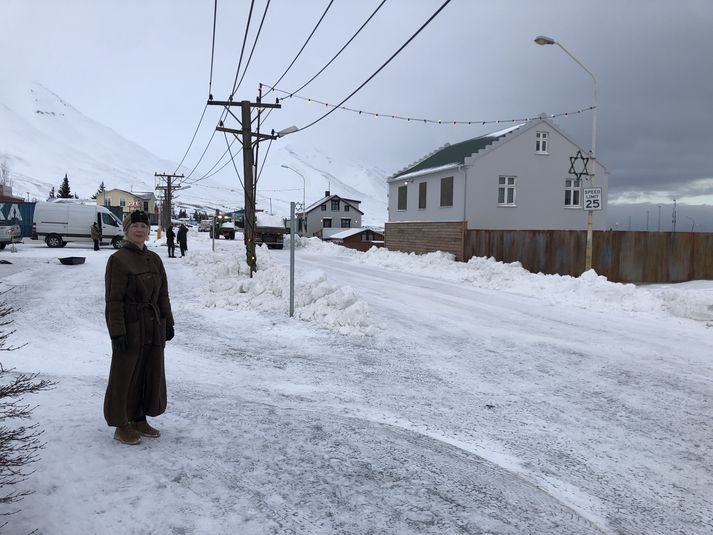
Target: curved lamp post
[[304, 206], [543, 40]]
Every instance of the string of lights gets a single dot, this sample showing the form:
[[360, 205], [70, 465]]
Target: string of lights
[[428, 121]]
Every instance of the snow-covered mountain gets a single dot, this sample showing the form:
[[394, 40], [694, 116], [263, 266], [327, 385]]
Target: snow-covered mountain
[[42, 137]]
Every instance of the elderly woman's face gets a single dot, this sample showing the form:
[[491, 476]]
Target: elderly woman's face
[[138, 233]]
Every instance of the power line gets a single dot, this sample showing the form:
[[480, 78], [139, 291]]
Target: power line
[[242, 50], [342, 49], [305, 43], [210, 85], [380, 68], [335, 56], [192, 139], [257, 36], [212, 50]]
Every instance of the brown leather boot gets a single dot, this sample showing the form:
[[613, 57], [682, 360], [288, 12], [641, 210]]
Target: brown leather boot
[[145, 430], [127, 435]]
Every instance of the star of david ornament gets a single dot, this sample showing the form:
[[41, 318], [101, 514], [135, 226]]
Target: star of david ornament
[[578, 165]]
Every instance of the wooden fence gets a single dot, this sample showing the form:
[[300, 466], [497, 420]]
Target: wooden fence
[[621, 256]]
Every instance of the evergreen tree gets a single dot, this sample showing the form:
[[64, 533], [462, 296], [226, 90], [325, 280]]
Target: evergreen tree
[[101, 190], [182, 214], [52, 194], [63, 192]]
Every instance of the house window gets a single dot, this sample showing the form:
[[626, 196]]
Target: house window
[[402, 198], [323, 207], [506, 190], [447, 191], [422, 195], [335, 205], [122, 202], [146, 206], [541, 142], [107, 201], [346, 222], [327, 222], [367, 236], [571, 192], [346, 207]]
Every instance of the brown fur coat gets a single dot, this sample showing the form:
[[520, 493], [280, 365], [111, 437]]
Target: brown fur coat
[[137, 305]]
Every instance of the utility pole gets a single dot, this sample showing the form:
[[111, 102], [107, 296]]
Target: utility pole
[[168, 197], [247, 136]]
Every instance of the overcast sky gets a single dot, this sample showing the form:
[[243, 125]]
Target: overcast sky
[[144, 69]]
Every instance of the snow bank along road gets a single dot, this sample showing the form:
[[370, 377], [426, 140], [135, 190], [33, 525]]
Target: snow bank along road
[[463, 410]]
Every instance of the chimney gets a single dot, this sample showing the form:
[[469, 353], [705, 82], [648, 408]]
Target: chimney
[[326, 193]]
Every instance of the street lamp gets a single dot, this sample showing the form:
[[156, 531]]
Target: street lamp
[[304, 186], [543, 40]]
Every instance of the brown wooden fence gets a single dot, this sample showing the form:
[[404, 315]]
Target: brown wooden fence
[[620, 256]]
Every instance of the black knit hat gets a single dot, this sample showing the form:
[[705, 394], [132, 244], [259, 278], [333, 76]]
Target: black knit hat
[[137, 216]]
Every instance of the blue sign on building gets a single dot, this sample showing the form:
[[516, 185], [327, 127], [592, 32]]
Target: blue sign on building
[[20, 213]]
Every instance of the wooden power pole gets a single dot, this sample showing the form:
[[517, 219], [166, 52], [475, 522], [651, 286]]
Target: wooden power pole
[[168, 197], [247, 136]]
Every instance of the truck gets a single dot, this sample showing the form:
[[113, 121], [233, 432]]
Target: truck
[[224, 228], [10, 232], [60, 222], [270, 230]]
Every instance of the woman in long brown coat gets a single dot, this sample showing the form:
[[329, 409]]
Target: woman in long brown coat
[[138, 315]]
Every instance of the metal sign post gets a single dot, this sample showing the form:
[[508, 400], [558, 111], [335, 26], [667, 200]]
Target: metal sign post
[[292, 258], [578, 167]]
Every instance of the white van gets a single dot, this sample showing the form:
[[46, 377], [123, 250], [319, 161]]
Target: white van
[[61, 222]]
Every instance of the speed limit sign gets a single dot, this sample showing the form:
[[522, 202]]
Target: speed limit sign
[[592, 198]]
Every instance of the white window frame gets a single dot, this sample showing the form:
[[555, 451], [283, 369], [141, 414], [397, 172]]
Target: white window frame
[[573, 186], [507, 185], [542, 140]]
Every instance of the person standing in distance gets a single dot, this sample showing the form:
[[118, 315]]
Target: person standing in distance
[[183, 239], [139, 319], [96, 235], [170, 237]]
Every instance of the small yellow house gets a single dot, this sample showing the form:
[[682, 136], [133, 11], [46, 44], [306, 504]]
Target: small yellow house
[[130, 201]]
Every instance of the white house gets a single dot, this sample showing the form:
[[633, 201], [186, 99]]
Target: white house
[[514, 179], [331, 214]]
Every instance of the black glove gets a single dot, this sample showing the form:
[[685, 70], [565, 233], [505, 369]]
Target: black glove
[[119, 343], [169, 332]]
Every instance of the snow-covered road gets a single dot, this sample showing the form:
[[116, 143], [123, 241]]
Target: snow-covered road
[[453, 407]]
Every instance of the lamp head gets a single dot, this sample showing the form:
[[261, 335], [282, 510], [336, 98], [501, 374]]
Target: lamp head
[[543, 40], [286, 131]]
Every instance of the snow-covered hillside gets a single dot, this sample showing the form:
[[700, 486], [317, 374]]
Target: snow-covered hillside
[[42, 137]]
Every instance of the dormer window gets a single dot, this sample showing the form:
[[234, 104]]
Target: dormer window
[[541, 140]]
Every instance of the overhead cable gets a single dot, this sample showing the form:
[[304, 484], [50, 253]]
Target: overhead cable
[[210, 84], [305, 44], [257, 36], [380, 68], [242, 49]]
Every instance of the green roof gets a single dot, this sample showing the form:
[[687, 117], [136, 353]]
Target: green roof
[[452, 154]]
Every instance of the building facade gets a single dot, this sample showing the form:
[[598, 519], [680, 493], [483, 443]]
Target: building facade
[[331, 214], [513, 179]]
